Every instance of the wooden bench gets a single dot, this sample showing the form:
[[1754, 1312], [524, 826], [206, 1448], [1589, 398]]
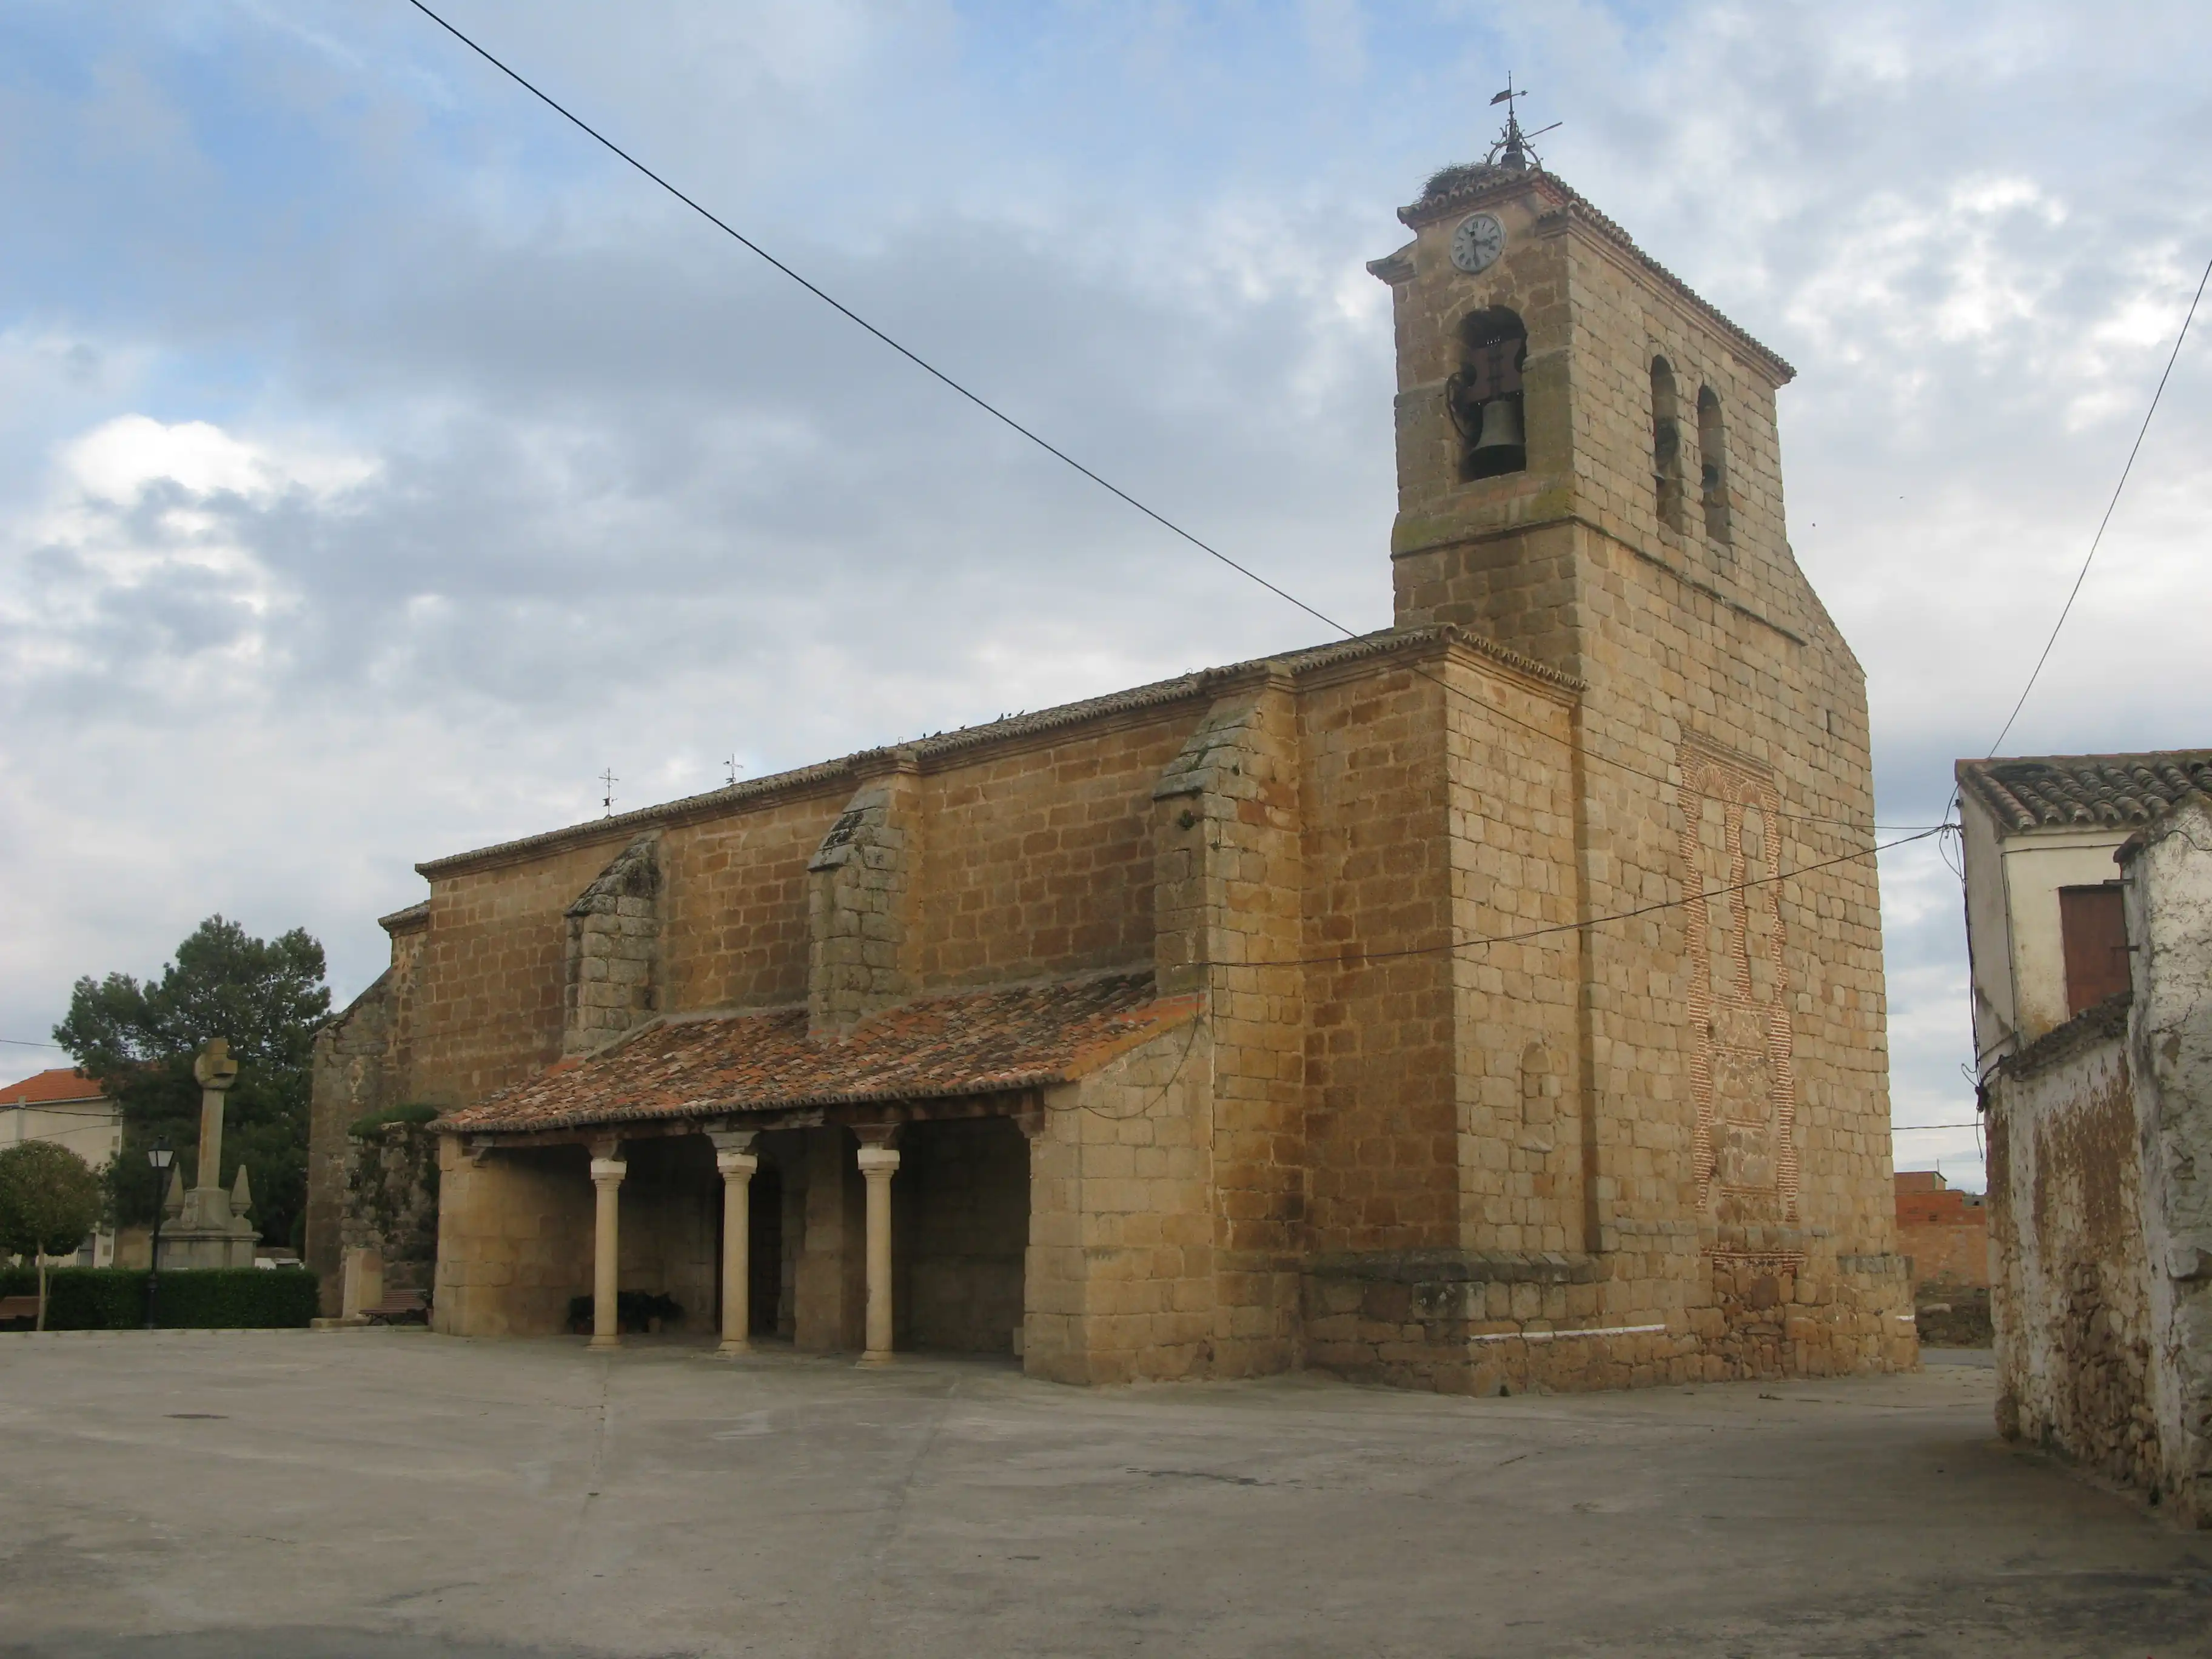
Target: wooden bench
[[18, 1307], [402, 1307]]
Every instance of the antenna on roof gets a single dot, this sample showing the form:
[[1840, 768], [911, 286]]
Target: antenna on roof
[[1513, 151], [608, 780], [732, 764]]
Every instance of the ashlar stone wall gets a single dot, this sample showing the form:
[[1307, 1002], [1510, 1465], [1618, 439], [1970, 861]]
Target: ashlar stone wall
[[1120, 1273], [514, 1240], [613, 955], [362, 1062]]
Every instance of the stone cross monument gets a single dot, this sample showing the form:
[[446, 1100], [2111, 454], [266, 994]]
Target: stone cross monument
[[213, 1231]]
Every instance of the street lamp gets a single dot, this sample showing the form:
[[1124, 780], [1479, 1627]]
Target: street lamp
[[161, 1157]]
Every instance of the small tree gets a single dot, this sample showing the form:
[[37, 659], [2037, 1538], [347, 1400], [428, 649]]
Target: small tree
[[50, 1198]]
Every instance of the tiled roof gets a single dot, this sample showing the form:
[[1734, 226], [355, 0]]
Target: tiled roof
[[50, 1088], [968, 1043], [2101, 1022], [2049, 792]]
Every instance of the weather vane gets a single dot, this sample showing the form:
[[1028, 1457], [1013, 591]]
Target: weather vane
[[1513, 151]]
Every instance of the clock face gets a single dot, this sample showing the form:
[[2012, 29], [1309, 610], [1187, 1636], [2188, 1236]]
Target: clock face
[[1479, 240]]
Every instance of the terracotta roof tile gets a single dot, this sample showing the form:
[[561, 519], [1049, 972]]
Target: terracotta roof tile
[[968, 1043], [48, 1088], [2048, 792]]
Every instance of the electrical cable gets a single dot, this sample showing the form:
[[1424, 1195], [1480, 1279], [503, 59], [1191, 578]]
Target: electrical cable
[[1000, 416], [2095, 541], [1361, 958], [1906, 1128], [2134, 448]]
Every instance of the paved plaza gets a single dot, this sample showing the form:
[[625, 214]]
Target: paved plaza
[[206, 1495]]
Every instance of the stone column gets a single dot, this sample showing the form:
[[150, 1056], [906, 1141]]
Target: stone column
[[735, 1158], [216, 1070], [879, 1161], [607, 1173]]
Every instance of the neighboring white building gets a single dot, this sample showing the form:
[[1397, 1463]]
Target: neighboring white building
[[2046, 924], [66, 1107], [2100, 1219]]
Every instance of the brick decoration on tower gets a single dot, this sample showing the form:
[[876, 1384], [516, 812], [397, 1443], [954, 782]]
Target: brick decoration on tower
[[1744, 1148]]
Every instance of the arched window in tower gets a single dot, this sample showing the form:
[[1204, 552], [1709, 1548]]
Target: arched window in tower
[[1485, 398], [1667, 444], [1712, 458]]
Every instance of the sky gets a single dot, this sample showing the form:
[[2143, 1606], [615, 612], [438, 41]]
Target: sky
[[380, 462]]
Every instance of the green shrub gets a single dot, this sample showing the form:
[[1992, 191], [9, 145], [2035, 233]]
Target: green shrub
[[192, 1299], [413, 1112], [237, 1299], [84, 1298]]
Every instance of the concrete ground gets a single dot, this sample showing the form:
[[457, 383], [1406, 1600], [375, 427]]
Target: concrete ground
[[243, 1495]]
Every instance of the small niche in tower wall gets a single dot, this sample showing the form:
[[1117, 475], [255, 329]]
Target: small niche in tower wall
[[1484, 395]]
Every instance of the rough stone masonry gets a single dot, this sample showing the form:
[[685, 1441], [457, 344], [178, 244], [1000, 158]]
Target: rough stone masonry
[[1492, 1001]]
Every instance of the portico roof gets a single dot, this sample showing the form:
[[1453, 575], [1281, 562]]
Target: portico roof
[[974, 1042]]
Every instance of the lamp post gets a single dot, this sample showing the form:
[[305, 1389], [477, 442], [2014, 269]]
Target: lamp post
[[161, 1157]]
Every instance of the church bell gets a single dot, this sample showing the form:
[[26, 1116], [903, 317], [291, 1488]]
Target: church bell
[[1499, 447]]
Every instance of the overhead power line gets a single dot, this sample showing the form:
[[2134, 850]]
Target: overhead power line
[[1003, 418], [25, 1042], [1361, 958], [2095, 541]]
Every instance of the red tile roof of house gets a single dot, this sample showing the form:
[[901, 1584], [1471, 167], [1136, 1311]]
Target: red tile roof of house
[[50, 1088], [2043, 792], [973, 1042]]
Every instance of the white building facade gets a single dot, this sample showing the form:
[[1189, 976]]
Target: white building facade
[[2046, 921]]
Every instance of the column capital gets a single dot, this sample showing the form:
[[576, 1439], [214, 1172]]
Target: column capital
[[214, 1067], [879, 1161], [736, 1163], [608, 1172], [733, 1140]]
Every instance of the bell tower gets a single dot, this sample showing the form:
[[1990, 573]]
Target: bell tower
[[1556, 384], [1589, 473]]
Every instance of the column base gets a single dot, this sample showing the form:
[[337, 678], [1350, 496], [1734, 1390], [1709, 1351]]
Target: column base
[[734, 1346], [874, 1359], [604, 1342]]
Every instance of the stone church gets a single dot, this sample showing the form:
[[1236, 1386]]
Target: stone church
[[1437, 1007]]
